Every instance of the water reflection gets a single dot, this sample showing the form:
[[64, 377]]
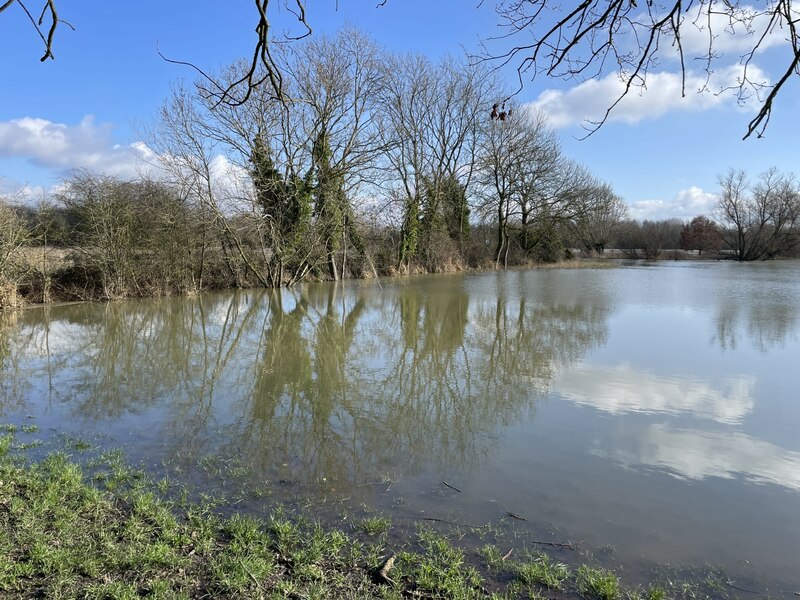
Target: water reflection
[[620, 389], [459, 376], [698, 455], [768, 319], [336, 382]]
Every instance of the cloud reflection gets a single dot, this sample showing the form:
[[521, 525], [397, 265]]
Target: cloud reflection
[[622, 389], [698, 455]]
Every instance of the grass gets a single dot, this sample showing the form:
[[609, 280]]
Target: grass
[[579, 263], [598, 584], [542, 570], [105, 530], [653, 592], [65, 536], [376, 525]]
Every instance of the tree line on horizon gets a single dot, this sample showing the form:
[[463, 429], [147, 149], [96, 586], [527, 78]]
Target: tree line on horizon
[[377, 164]]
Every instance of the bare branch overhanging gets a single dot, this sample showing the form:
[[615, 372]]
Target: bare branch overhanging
[[45, 25], [569, 43], [585, 41]]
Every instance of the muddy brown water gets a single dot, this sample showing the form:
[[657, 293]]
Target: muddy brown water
[[650, 412]]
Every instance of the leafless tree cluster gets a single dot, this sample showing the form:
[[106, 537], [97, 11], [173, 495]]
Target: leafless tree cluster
[[761, 220], [537, 194], [363, 132], [14, 237], [649, 239], [280, 178], [372, 163]]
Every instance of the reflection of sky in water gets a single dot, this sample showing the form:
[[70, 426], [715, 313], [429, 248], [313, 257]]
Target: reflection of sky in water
[[695, 454], [702, 388], [621, 389]]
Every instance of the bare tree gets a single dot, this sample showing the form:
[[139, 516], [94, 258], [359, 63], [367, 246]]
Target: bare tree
[[600, 212], [581, 40], [430, 118], [14, 237], [760, 221], [337, 82], [504, 147], [539, 178], [216, 152]]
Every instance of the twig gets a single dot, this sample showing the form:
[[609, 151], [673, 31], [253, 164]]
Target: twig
[[516, 516], [741, 589], [452, 487], [383, 573], [437, 520], [506, 555], [554, 544], [253, 577]]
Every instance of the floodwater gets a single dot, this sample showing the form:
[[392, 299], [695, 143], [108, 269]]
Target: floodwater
[[649, 412]]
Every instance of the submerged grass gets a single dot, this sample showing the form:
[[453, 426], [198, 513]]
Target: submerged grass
[[542, 570], [105, 530], [598, 584]]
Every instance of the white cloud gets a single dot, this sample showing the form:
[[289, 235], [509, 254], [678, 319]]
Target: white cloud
[[62, 148], [686, 205], [65, 147], [735, 36], [621, 389], [15, 191], [588, 101]]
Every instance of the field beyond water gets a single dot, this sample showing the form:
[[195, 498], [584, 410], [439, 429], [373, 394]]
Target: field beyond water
[[83, 524]]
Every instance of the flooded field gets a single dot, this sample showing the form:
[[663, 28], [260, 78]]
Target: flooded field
[[650, 413]]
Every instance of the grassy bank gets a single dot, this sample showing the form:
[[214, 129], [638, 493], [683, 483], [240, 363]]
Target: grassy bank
[[104, 530]]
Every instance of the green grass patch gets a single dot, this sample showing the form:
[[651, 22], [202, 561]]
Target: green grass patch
[[598, 584], [376, 525], [541, 569], [105, 530]]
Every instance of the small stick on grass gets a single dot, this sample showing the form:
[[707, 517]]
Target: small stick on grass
[[253, 577], [516, 516], [506, 555], [452, 487], [383, 573]]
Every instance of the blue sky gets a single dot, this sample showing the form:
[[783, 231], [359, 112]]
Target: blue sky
[[86, 108]]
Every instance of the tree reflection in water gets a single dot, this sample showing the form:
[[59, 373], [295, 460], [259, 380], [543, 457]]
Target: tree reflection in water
[[336, 381]]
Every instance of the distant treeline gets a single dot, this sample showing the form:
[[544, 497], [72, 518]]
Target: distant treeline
[[108, 239], [372, 163]]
